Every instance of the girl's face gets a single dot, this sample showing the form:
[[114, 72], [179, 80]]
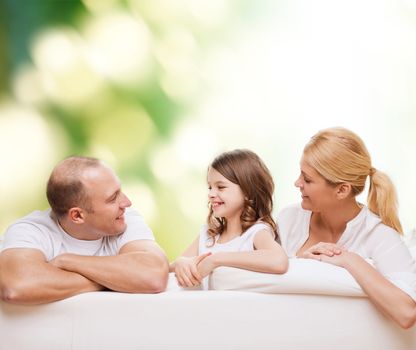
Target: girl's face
[[317, 194], [226, 198]]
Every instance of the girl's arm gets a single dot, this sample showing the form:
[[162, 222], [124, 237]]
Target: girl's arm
[[268, 257], [185, 267]]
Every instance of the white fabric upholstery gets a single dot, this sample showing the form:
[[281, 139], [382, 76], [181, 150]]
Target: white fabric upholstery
[[303, 277], [218, 319], [313, 306], [201, 320]]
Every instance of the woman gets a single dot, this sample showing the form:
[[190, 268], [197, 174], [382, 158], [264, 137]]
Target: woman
[[331, 226]]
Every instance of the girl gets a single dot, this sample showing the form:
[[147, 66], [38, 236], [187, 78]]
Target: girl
[[331, 226], [240, 231]]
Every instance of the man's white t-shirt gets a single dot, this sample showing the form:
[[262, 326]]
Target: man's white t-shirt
[[365, 235], [40, 230]]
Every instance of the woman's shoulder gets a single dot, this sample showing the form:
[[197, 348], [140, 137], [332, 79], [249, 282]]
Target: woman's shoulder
[[373, 224], [369, 230]]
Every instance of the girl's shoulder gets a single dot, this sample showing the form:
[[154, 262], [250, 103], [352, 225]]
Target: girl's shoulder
[[204, 237], [203, 231], [259, 226]]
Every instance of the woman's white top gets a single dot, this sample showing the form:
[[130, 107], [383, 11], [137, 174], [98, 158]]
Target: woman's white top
[[365, 235]]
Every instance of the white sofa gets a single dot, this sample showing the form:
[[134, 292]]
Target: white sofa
[[313, 306]]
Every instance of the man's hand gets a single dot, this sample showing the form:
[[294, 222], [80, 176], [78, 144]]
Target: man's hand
[[140, 267], [62, 260]]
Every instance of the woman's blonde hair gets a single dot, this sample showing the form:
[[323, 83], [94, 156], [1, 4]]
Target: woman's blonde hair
[[245, 169], [340, 155]]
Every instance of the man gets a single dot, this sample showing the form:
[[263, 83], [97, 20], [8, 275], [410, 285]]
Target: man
[[89, 240]]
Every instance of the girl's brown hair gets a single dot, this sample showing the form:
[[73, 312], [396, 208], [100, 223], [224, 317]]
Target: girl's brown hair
[[245, 169]]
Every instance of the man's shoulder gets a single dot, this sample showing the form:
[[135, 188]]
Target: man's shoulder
[[136, 227], [37, 230], [36, 219], [134, 219], [133, 213]]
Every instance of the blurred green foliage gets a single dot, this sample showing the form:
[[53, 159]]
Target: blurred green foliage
[[64, 70], [157, 88]]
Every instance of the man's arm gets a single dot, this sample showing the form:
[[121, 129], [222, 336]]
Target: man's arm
[[27, 278], [140, 267]]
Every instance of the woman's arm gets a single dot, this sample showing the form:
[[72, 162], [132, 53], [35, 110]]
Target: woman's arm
[[268, 257], [388, 298]]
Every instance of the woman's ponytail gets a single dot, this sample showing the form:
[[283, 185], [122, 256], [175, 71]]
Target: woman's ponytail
[[382, 199]]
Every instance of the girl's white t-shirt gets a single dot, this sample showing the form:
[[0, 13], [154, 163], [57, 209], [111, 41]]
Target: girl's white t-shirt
[[242, 243]]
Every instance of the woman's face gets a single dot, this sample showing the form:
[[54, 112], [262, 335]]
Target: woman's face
[[317, 194]]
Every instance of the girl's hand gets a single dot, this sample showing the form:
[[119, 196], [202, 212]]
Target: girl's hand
[[186, 270], [321, 249]]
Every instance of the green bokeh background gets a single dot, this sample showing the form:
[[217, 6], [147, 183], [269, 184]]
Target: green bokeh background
[[158, 88]]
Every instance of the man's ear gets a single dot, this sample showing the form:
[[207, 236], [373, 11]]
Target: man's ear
[[343, 190], [76, 215]]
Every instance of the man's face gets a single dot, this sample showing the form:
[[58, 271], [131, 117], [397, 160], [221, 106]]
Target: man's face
[[108, 203]]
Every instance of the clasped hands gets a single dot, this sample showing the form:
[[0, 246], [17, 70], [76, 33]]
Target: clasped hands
[[190, 271], [67, 262], [327, 252]]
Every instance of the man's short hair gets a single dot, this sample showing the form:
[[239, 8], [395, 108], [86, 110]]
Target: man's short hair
[[65, 189]]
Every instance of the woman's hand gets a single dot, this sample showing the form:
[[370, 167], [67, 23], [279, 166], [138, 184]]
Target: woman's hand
[[330, 253], [186, 270], [321, 249]]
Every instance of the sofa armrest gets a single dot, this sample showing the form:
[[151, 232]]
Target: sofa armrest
[[304, 276]]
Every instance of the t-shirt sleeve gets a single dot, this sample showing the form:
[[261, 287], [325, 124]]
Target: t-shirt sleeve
[[261, 226], [393, 260], [204, 241], [26, 235], [136, 229]]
